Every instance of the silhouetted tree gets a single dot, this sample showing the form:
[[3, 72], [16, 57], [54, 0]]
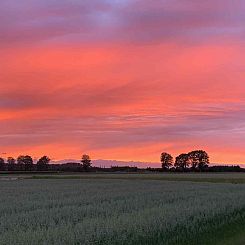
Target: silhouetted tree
[[166, 160], [20, 159], [25, 161], [193, 157], [199, 159], [2, 164], [42, 163], [182, 161], [86, 162], [11, 163]]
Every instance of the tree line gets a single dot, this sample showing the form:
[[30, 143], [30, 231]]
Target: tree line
[[195, 161], [26, 163]]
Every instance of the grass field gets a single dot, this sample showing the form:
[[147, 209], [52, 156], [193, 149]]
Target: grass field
[[123, 209], [234, 178]]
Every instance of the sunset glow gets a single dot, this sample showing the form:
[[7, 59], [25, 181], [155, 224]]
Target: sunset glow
[[122, 79]]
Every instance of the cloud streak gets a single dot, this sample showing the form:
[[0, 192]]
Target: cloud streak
[[121, 21]]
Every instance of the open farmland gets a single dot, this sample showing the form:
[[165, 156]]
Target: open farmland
[[235, 178], [121, 210]]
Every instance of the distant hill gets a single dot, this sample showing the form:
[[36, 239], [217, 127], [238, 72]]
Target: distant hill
[[109, 163]]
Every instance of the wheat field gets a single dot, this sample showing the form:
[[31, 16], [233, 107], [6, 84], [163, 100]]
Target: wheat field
[[121, 211]]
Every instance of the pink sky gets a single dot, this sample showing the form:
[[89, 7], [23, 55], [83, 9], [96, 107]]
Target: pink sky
[[122, 79]]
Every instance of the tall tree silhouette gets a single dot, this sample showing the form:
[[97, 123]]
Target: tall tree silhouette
[[199, 159], [166, 160], [25, 161], [11, 163], [42, 163], [2, 164], [86, 162], [21, 160], [182, 161]]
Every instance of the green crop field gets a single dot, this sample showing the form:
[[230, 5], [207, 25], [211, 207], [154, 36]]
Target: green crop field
[[235, 178], [123, 209]]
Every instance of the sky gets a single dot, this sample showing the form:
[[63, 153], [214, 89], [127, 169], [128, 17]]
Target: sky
[[122, 79]]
